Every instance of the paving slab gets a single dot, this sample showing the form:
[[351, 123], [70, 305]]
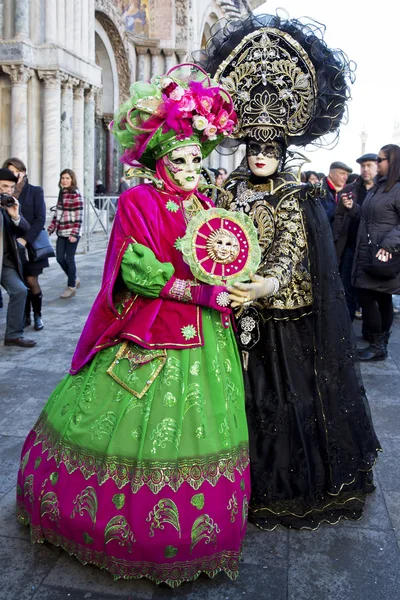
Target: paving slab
[[23, 567], [71, 575], [9, 526], [10, 453], [388, 465], [393, 505], [343, 564]]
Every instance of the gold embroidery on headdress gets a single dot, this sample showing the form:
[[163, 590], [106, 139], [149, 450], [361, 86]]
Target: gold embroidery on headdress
[[272, 83]]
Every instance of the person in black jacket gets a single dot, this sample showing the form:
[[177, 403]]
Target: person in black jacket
[[12, 225], [33, 209], [332, 185], [380, 223], [345, 225]]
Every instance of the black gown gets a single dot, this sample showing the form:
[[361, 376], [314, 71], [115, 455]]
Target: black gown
[[312, 441]]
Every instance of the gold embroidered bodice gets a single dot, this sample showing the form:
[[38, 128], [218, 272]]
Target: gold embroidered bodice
[[276, 213]]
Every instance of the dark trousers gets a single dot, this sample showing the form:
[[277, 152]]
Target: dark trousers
[[377, 310], [17, 290], [346, 264], [65, 253]]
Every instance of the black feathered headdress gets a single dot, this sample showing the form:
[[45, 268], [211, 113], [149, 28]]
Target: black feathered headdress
[[284, 81]]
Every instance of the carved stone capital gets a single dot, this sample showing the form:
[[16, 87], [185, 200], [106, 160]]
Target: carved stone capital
[[68, 82], [79, 89], [154, 51], [51, 79], [168, 51], [18, 73], [91, 93], [181, 55], [141, 50]]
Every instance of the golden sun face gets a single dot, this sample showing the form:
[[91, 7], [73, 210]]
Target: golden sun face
[[222, 246]]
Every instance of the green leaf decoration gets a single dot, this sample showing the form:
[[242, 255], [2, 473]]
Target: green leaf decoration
[[242, 485], [165, 511], [170, 551], [19, 490], [37, 462], [54, 477], [86, 501], [87, 539], [204, 528], [118, 529], [24, 461], [198, 501], [119, 500], [49, 506]]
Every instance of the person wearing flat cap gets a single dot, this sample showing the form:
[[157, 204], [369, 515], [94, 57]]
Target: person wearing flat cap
[[12, 226], [346, 221], [332, 185]]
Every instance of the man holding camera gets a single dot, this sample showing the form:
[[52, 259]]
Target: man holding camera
[[347, 218], [12, 226]]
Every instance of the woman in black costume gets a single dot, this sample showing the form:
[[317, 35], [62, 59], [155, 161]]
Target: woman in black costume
[[312, 442]]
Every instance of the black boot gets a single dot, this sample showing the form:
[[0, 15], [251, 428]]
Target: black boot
[[377, 350], [27, 318], [37, 311]]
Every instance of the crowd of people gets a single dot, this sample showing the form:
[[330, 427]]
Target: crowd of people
[[25, 248], [364, 212]]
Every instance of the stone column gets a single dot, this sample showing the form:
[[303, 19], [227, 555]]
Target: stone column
[[21, 19], [62, 19], [92, 18], [155, 68], [141, 51], [78, 142], [67, 110], [181, 56], [51, 134], [89, 134], [109, 154], [19, 75], [50, 16], [169, 59], [78, 27]]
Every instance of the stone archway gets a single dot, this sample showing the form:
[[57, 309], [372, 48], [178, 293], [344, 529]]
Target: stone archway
[[120, 53], [115, 78]]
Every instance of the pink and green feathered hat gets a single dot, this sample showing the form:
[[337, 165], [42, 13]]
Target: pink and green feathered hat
[[181, 108]]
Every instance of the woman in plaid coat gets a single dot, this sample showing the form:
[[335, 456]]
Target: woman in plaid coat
[[67, 223]]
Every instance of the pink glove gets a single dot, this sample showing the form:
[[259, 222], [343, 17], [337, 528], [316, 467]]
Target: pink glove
[[211, 296]]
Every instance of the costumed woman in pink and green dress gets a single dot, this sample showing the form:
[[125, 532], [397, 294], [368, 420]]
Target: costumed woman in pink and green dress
[[139, 461]]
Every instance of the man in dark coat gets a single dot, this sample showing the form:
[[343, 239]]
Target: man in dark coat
[[12, 225], [332, 185], [347, 218]]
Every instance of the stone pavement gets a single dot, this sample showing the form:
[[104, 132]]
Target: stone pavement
[[349, 561]]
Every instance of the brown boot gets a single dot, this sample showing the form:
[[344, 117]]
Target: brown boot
[[68, 292]]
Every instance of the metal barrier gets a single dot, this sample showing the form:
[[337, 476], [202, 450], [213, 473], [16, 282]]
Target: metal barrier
[[98, 217]]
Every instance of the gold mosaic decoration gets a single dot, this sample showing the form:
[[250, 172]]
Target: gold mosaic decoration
[[272, 83]]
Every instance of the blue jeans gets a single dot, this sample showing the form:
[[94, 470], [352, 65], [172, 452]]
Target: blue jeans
[[345, 268], [65, 253], [17, 290]]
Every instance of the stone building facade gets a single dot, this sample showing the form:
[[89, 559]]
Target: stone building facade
[[66, 65]]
